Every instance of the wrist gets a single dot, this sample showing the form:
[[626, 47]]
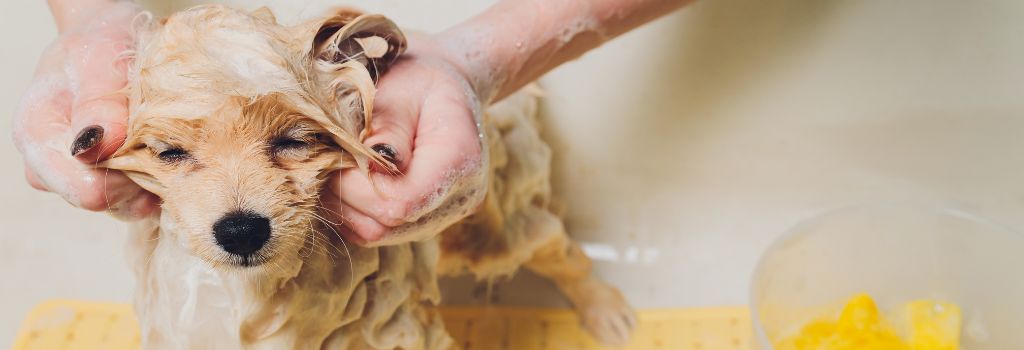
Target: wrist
[[472, 50], [516, 41]]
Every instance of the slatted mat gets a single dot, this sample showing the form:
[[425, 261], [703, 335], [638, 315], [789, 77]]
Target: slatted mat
[[65, 324]]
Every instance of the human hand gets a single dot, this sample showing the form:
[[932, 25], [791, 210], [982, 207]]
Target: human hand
[[73, 114], [425, 119]]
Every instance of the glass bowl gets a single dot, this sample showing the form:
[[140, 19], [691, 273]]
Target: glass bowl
[[895, 253]]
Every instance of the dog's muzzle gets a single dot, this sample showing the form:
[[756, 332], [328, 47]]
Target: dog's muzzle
[[242, 233]]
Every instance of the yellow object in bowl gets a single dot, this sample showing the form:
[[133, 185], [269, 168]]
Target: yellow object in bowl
[[861, 326], [933, 325]]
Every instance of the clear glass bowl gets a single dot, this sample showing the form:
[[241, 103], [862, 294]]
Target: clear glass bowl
[[896, 254]]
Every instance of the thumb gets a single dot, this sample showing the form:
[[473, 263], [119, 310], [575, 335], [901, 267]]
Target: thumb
[[99, 113], [100, 126], [393, 127]]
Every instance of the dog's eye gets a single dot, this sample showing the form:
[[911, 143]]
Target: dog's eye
[[173, 155], [290, 147], [285, 143]]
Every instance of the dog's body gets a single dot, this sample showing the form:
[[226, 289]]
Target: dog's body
[[253, 116], [184, 303]]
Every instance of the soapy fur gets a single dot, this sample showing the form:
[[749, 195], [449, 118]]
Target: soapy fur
[[219, 88]]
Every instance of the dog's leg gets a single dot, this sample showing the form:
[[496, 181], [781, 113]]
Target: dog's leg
[[602, 309]]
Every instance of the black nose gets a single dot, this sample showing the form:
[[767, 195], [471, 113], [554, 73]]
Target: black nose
[[242, 233]]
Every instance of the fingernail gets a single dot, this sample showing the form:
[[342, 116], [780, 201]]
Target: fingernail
[[387, 151], [87, 139]]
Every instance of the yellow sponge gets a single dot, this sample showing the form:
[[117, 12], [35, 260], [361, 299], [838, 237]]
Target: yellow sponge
[[933, 325], [929, 325]]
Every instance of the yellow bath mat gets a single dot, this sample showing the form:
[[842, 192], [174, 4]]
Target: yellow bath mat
[[77, 325]]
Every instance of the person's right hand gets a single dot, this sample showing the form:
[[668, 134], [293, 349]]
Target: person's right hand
[[74, 115]]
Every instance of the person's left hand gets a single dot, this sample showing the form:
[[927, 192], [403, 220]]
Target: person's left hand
[[425, 120]]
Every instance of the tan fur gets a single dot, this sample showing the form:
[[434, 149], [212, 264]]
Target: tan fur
[[221, 88]]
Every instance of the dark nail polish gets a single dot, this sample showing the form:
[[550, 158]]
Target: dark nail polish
[[86, 139], [387, 151]]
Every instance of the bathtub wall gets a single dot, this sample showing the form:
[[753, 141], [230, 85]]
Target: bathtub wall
[[683, 147]]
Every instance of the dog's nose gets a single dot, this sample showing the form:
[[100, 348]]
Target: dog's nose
[[242, 233]]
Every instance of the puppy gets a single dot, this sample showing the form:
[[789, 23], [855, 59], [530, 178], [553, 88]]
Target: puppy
[[236, 121]]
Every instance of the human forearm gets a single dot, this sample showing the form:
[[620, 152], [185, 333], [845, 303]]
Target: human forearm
[[516, 41]]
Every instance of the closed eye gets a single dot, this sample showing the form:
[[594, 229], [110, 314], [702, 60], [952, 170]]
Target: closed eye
[[174, 155], [291, 147], [285, 143]]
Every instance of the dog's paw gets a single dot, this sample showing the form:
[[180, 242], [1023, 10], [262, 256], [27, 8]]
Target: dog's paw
[[605, 313]]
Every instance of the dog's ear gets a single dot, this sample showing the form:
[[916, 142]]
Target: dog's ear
[[128, 160], [349, 51], [372, 40]]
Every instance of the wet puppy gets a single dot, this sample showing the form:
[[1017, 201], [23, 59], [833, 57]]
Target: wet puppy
[[236, 121]]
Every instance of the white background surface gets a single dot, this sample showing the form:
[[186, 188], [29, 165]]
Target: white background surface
[[685, 146]]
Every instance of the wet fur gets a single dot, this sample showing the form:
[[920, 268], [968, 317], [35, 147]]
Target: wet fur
[[226, 87]]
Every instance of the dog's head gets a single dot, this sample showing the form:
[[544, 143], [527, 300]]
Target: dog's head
[[236, 121]]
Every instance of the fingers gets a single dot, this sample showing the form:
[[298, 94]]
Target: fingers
[[74, 109], [365, 228], [444, 151], [39, 123], [424, 120], [355, 226], [42, 133], [79, 184], [33, 180]]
